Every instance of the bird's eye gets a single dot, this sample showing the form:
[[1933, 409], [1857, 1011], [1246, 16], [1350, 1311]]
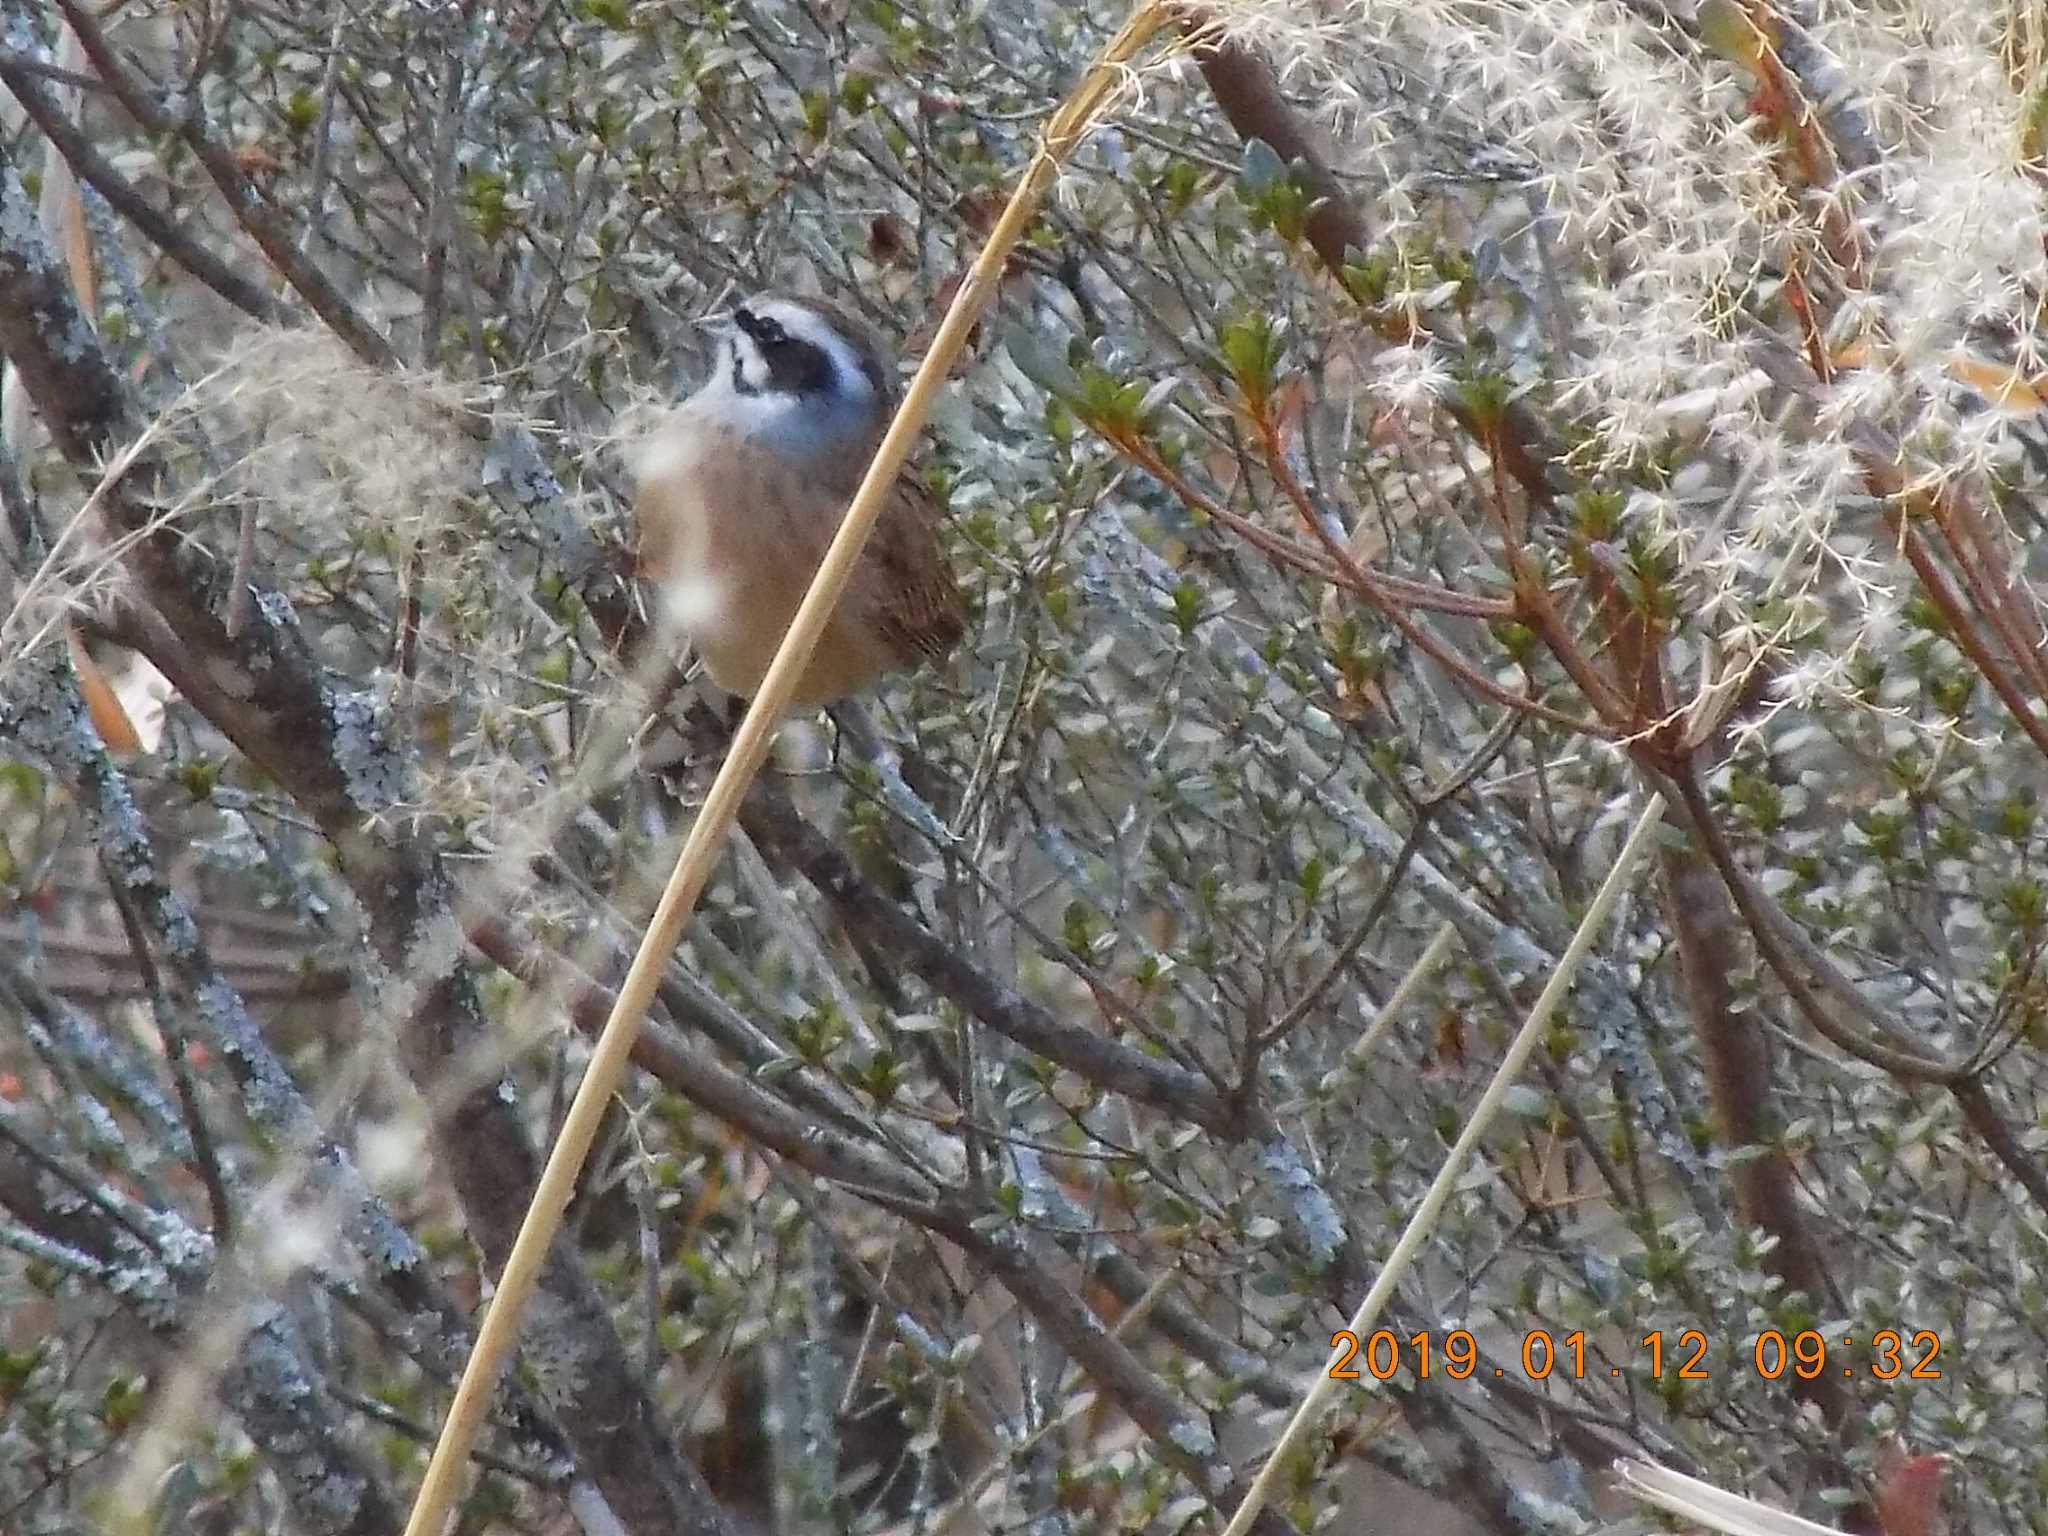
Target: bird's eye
[[766, 332]]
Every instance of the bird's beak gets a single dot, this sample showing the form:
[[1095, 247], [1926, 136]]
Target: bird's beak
[[717, 323]]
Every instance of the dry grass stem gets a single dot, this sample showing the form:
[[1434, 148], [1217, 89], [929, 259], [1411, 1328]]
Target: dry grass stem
[[1419, 1225]]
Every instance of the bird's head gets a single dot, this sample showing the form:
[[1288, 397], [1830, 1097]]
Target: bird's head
[[798, 376]]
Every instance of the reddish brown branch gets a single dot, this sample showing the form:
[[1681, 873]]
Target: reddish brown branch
[[1890, 1053], [1394, 610], [1996, 1132], [1734, 1050], [1935, 583], [1971, 546], [1249, 93]]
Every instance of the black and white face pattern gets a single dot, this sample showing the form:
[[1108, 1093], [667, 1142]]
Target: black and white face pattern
[[782, 347], [794, 381]]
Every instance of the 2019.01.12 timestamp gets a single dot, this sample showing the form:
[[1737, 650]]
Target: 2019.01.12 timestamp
[[1888, 1355]]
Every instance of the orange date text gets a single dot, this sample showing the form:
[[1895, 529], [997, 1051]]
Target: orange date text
[[1886, 1355]]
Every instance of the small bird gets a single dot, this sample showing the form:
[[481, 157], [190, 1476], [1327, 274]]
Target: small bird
[[742, 487]]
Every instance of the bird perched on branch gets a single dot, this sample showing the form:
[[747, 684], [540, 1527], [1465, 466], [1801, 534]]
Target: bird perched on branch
[[743, 486]]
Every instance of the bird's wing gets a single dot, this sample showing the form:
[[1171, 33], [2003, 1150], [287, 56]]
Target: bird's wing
[[919, 610]]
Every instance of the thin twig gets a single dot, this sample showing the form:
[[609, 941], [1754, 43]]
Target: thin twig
[[323, 141], [204, 1156], [93, 168], [258, 217], [1359, 1056], [1382, 899], [1281, 1457]]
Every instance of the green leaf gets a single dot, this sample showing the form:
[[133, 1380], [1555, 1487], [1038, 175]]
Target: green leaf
[[1041, 363], [1252, 348], [1262, 167]]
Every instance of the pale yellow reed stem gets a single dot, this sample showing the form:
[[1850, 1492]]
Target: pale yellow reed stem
[[1454, 1164], [750, 747], [1359, 1057]]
